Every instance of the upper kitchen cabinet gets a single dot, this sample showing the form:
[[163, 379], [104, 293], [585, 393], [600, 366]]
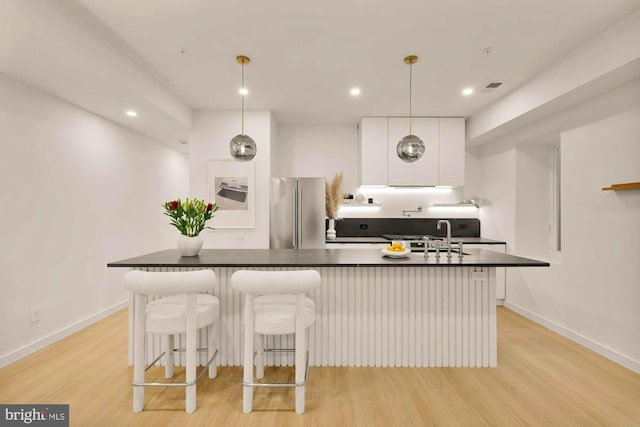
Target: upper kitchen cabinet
[[442, 163], [424, 171], [372, 151], [452, 140]]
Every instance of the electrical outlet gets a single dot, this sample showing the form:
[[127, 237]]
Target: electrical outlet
[[35, 314]]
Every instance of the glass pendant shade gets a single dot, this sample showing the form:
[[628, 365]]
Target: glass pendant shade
[[410, 148], [242, 148]]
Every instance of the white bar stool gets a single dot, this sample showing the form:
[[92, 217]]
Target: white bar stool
[[186, 310], [275, 304]]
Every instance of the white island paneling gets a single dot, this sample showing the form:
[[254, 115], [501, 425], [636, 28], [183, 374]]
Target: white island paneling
[[380, 316]]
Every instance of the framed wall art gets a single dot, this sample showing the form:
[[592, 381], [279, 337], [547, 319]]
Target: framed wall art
[[231, 185]]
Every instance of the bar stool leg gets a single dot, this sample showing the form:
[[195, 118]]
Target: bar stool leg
[[212, 339], [168, 356], [247, 374], [140, 302], [259, 356], [300, 356], [191, 331]]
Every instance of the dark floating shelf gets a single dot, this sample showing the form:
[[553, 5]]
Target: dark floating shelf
[[625, 186]]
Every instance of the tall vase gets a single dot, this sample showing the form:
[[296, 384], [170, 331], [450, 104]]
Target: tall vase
[[331, 231], [189, 246]]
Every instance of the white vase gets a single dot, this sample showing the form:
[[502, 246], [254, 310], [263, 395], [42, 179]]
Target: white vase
[[189, 246], [331, 231]]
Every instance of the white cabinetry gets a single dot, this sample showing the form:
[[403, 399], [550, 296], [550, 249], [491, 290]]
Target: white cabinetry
[[424, 171], [442, 164]]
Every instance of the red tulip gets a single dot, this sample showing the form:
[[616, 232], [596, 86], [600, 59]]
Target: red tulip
[[209, 207], [173, 205]]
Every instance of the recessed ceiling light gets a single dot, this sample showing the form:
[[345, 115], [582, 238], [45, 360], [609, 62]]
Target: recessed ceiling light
[[355, 91], [131, 113], [467, 91], [243, 91]]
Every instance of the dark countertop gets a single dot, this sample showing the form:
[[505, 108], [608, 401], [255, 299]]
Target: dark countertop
[[465, 240], [321, 258]]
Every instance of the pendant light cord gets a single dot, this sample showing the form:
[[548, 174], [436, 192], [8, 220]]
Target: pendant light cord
[[242, 95], [410, 100]]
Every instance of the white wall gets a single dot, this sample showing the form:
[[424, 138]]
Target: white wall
[[590, 294], [313, 150], [490, 174], [317, 151], [77, 191], [209, 140], [534, 200]]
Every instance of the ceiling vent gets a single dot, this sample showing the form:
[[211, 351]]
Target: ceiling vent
[[490, 87]]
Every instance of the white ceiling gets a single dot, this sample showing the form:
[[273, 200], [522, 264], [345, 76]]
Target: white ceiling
[[109, 55], [306, 55]]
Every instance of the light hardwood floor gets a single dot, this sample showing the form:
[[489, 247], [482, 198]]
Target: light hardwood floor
[[542, 379]]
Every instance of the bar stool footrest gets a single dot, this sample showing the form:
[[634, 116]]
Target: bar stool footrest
[[180, 384], [294, 384]]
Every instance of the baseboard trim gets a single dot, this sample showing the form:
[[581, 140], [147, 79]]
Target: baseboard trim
[[31, 348], [602, 350]]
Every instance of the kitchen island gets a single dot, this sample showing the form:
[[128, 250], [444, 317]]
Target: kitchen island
[[370, 310]]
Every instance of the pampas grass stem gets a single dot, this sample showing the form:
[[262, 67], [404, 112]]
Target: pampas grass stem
[[333, 196]]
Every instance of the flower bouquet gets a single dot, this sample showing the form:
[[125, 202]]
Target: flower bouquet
[[190, 218]]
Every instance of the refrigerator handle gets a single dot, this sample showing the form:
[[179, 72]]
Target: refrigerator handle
[[299, 216], [295, 219]]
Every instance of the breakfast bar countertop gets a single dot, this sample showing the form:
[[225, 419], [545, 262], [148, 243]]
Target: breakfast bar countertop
[[323, 258]]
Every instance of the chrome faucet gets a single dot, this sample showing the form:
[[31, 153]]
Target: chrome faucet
[[448, 224]]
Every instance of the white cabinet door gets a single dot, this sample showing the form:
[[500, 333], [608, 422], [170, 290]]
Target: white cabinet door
[[452, 151], [442, 163], [398, 172], [426, 170], [372, 151]]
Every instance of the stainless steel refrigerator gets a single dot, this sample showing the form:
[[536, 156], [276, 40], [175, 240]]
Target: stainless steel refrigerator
[[297, 213]]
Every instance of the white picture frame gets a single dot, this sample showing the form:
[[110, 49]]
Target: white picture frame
[[231, 185]]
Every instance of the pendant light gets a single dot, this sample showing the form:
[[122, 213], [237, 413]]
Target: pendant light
[[410, 148], [242, 147]]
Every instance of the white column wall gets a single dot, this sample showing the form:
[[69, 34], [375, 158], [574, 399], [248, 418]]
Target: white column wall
[[601, 233], [590, 293], [77, 191]]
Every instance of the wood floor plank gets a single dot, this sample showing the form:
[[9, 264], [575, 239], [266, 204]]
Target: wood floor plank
[[542, 379]]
